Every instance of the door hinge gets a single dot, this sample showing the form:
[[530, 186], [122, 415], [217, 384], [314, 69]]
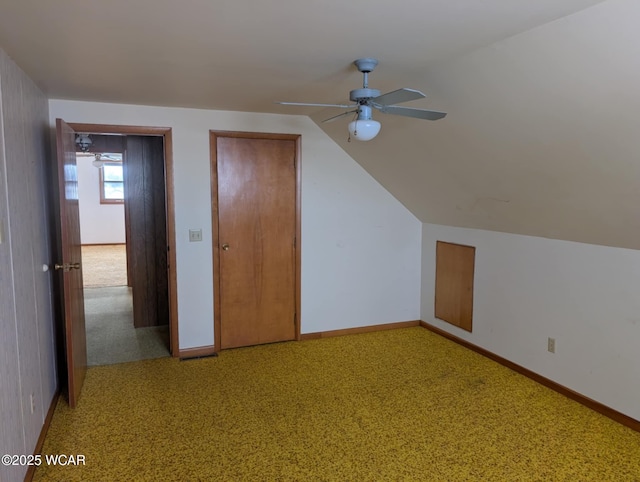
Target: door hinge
[[294, 241], [295, 319]]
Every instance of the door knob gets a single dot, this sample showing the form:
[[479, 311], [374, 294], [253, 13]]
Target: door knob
[[67, 266], [225, 247]]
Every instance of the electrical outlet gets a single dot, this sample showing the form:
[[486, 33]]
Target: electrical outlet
[[33, 403], [551, 345]]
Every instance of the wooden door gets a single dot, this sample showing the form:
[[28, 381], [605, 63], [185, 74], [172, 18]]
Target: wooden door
[[257, 225], [69, 266], [146, 219], [454, 284]]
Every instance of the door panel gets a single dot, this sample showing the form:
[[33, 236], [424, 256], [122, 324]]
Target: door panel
[[146, 217], [71, 274], [257, 225], [454, 284]]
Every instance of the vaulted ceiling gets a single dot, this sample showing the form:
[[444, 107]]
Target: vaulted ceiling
[[542, 133]]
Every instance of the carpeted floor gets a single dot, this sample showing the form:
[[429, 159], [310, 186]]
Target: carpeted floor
[[104, 265], [111, 336], [394, 405]]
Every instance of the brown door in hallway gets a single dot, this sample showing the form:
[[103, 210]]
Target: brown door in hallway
[[256, 222], [68, 266]]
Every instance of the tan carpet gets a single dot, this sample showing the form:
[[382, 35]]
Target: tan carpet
[[104, 265], [111, 336], [395, 405]]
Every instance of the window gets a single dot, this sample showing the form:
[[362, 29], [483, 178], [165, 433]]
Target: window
[[111, 183]]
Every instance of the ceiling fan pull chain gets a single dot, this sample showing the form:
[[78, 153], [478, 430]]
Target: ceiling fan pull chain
[[355, 132]]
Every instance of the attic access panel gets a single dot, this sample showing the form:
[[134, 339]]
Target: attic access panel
[[454, 284]]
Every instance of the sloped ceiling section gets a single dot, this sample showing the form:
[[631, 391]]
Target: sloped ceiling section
[[542, 136]]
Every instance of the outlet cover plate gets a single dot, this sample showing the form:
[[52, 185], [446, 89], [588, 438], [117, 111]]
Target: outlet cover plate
[[195, 235]]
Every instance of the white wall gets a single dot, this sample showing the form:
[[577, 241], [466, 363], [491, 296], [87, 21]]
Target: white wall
[[528, 289], [360, 246], [99, 223], [27, 356]]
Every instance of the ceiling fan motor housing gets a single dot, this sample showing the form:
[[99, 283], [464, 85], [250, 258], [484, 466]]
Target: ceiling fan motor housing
[[363, 95]]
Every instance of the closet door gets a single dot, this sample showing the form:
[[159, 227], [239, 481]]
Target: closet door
[[256, 200]]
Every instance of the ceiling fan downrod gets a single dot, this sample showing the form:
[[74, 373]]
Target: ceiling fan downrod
[[364, 95]]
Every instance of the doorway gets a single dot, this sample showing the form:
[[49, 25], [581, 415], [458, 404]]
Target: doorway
[[112, 310], [112, 336], [255, 186]]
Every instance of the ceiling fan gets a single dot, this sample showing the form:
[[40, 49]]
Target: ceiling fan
[[364, 128], [101, 158]]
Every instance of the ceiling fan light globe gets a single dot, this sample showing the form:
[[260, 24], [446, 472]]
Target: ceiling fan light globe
[[98, 161], [364, 130]]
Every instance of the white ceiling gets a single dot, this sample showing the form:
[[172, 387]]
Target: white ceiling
[[542, 95]]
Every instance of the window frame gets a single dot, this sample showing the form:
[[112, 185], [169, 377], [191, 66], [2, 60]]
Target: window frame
[[103, 198]]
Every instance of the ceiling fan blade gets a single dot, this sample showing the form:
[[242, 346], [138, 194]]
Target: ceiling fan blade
[[411, 112], [342, 106], [398, 96], [112, 157], [335, 117]]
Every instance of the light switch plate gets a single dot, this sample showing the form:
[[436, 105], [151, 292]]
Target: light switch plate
[[195, 235]]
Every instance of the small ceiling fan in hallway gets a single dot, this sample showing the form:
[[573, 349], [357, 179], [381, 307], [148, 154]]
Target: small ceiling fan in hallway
[[101, 158], [364, 128]]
